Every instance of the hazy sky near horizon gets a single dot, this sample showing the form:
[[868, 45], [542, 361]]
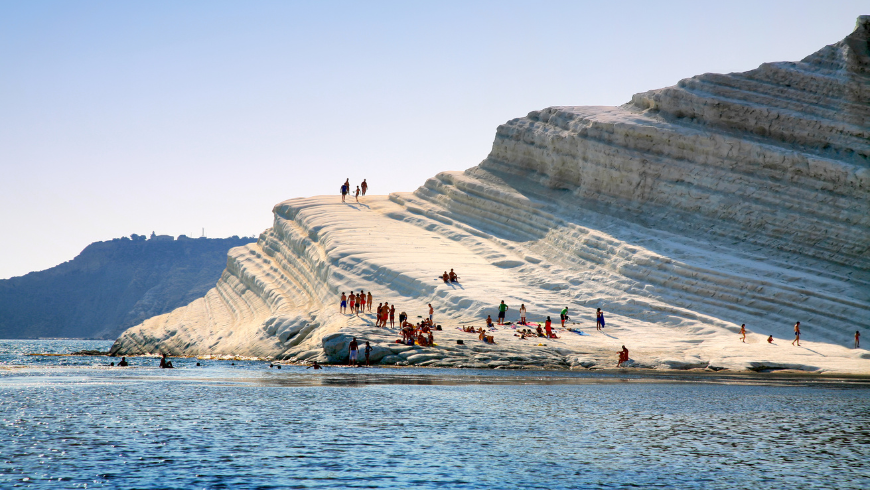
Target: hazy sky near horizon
[[132, 117]]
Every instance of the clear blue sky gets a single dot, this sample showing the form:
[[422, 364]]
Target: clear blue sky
[[128, 117]]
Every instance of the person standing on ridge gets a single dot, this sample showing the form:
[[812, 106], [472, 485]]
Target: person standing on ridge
[[797, 334], [342, 308], [371, 299], [431, 313], [564, 316], [368, 351], [392, 315], [364, 187], [356, 195], [502, 309], [599, 319], [857, 338], [522, 314], [345, 189], [743, 333]]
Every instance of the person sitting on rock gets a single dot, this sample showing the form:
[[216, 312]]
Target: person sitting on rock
[[540, 332], [489, 321], [623, 356], [453, 277], [770, 339], [431, 338], [445, 277], [123, 362]]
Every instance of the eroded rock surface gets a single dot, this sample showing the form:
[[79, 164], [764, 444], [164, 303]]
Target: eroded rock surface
[[726, 199]]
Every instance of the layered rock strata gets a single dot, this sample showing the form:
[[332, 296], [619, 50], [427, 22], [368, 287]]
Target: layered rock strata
[[726, 199]]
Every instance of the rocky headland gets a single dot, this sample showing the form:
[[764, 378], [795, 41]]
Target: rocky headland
[[111, 286], [725, 199]]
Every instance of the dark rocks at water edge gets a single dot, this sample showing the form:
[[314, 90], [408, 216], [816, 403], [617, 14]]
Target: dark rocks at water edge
[[112, 285]]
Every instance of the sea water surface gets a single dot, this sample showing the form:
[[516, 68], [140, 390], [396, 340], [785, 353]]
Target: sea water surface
[[75, 422]]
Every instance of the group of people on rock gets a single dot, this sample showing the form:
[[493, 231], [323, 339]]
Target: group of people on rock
[[797, 335], [386, 312], [421, 333], [356, 302], [449, 277], [360, 190]]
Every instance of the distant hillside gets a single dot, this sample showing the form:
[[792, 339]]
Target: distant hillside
[[112, 285]]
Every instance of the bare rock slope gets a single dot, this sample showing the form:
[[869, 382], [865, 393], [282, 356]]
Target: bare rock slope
[[726, 199]]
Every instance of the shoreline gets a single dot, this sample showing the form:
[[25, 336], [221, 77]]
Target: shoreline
[[646, 372]]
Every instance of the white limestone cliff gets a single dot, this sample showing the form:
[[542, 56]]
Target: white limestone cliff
[[726, 199]]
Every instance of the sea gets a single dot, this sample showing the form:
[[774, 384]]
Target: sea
[[77, 422]]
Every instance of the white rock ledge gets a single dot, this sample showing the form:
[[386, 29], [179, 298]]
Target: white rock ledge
[[726, 199]]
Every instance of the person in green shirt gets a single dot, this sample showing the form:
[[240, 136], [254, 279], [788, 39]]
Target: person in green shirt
[[502, 308], [564, 315]]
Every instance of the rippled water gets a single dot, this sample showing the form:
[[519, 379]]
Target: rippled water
[[73, 422]]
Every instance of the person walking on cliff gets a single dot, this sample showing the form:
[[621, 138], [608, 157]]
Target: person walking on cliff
[[797, 334], [353, 348], [599, 319], [342, 308], [345, 189], [502, 309], [371, 299], [743, 333], [356, 195], [364, 187]]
